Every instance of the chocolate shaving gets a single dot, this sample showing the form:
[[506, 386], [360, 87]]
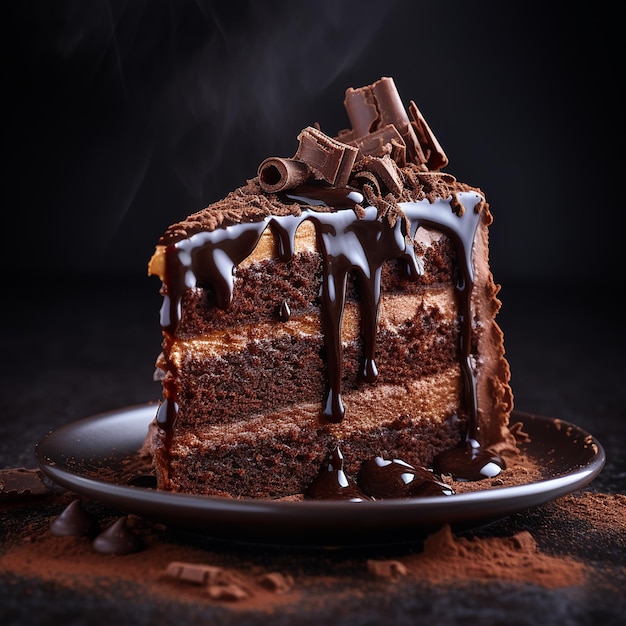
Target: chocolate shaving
[[386, 171], [372, 184], [517, 430], [436, 158], [457, 205]]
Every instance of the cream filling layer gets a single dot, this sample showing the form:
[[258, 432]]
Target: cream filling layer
[[432, 399], [305, 240], [393, 311]]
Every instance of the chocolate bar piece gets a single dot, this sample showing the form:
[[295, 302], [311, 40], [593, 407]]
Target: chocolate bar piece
[[20, 483], [330, 159]]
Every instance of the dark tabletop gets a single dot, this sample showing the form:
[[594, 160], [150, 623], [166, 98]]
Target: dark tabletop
[[83, 347]]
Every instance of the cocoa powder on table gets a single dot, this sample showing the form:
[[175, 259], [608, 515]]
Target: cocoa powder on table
[[236, 579]]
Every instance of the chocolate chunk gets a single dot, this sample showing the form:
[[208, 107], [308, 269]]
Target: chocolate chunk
[[194, 572], [117, 539], [379, 143], [378, 105], [75, 521], [20, 483], [336, 197], [331, 160]]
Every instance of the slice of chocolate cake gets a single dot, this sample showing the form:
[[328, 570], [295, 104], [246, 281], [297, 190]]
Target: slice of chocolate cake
[[329, 327]]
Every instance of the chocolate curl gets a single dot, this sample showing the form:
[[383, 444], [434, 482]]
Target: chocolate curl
[[373, 107], [330, 159], [276, 174], [386, 171], [436, 157]]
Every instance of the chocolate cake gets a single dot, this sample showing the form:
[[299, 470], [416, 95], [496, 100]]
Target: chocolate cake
[[329, 327]]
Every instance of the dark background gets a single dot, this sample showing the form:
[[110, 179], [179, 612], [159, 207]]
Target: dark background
[[124, 116], [121, 117]]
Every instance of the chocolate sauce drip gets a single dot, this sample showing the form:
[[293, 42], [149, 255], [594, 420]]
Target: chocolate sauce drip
[[362, 246], [469, 461], [333, 484], [348, 244], [117, 539], [338, 198], [284, 313], [381, 479]]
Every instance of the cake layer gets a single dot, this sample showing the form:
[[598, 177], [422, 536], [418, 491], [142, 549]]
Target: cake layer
[[279, 454], [257, 361], [264, 282]]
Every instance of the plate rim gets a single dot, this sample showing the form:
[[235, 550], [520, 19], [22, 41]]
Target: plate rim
[[228, 518]]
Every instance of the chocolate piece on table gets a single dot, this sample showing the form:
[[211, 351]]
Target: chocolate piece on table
[[74, 521], [117, 539], [194, 572], [20, 483]]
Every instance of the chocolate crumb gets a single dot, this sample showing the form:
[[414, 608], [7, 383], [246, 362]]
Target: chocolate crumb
[[390, 569], [230, 592], [275, 581], [517, 430]]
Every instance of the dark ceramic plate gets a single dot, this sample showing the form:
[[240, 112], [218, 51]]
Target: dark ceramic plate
[[96, 457]]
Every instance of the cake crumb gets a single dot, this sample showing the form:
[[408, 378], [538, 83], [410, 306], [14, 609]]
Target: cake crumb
[[275, 581], [391, 569], [193, 572], [230, 592]]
